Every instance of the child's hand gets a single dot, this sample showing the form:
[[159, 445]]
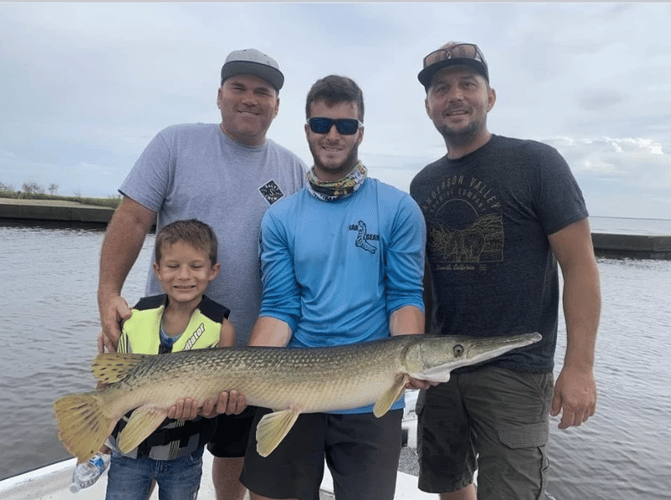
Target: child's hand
[[232, 403], [184, 409]]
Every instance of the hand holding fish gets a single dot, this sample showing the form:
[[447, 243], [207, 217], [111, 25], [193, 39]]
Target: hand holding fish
[[229, 403], [113, 310], [415, 383], [184, 409]]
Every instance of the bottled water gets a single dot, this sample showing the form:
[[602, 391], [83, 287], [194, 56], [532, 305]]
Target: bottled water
[[89, 472]]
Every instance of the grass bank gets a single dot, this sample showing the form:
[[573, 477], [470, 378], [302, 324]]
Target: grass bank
[[109, 202]]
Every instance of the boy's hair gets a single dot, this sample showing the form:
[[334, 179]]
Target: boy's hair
[[192, 231], [335, 89]]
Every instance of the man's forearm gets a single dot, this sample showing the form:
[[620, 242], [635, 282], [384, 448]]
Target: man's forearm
[[406, 320], [582, 308], [122, 244], [270, 332]]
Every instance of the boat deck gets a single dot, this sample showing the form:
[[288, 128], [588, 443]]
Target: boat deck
[[53, 482]]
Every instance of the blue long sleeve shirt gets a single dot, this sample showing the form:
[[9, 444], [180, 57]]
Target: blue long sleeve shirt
[[336, 271]]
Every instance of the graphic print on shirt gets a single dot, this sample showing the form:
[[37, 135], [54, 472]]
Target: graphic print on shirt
[[271, 192], [363, 239], [465, 224]]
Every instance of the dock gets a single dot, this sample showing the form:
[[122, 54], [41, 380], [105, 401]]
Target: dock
[[57, 213]]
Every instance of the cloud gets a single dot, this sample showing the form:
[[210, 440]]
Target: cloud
[[631, 161], [86, 85]]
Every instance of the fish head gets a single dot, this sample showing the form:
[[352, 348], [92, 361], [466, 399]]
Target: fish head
[[433, 357]]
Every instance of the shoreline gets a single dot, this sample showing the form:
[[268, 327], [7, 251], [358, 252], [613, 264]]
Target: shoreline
[[57, 213]]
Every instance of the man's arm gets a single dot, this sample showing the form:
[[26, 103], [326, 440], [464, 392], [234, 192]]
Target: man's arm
[[575, 389], [408, 320], [122, 244], [429, 304], [270, 332]]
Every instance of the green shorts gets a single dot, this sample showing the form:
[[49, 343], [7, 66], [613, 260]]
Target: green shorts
[[499, 416]]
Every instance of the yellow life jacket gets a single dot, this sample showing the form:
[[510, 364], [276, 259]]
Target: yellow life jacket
[[141, 335], [140, 332]]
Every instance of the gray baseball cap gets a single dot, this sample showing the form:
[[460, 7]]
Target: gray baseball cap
[[252, 62]]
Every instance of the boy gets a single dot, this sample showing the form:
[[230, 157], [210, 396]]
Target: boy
[[182, 318]]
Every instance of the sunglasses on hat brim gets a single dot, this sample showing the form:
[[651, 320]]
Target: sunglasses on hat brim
[[458, 51]]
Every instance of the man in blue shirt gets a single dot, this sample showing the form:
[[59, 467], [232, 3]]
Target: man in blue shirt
[[342, 263]]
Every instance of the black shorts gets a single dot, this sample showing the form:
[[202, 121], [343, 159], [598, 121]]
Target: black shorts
[[361, 451], [232, 434]]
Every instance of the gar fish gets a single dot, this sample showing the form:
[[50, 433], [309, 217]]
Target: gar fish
[[290, 381]]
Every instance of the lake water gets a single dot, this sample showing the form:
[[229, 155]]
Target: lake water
[[49, 323]]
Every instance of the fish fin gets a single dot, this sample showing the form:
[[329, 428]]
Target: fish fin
[[141, 424], [272, 429], [390, 396], [82, 424], [112, 366]]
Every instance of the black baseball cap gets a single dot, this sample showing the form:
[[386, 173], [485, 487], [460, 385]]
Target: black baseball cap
[[450, 54]]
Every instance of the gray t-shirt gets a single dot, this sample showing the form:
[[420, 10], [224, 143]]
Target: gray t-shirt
[[196, 171], [488, 216]]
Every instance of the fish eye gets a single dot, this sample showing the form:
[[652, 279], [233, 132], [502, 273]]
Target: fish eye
[[458, 350]]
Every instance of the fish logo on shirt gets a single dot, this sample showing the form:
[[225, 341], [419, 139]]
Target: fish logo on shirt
[[362, 237]]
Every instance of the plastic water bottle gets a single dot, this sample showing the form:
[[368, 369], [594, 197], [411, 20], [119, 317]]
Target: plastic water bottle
[[89, 472]]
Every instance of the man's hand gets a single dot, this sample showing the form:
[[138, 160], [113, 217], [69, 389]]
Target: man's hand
[[232, 403], [415, 383], [112, 313], [575, 393]]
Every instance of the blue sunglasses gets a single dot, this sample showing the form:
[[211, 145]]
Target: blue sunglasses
[[344, 126]]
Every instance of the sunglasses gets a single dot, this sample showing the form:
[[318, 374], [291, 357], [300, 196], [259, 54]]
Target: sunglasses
[[458, 51], [344, 126]]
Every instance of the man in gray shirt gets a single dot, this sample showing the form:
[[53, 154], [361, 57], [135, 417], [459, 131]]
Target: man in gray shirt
[[225, 175]]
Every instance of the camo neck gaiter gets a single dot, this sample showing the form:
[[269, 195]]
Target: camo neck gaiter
[[337, 190]]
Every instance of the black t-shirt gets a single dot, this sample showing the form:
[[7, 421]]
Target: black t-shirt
[[488, 215]]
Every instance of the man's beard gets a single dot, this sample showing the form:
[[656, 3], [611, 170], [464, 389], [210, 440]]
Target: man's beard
[[463, 136], [343, 168]]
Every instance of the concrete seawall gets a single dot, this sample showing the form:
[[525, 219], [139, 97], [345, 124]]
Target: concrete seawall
[[65, 213], [54, 211]]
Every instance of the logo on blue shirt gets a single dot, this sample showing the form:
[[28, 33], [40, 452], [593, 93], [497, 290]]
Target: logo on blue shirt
[[363, 238]]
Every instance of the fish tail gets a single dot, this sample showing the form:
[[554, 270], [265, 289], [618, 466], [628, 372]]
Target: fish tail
[[82, 424]]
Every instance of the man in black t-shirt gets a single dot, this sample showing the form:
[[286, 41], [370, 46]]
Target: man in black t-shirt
[[500, 214]]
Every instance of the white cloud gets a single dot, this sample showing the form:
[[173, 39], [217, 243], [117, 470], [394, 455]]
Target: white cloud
[[86, 85]]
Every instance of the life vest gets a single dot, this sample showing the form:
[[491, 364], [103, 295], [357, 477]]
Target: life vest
[[140, 334]]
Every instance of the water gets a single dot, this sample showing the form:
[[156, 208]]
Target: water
[[623, 225], [49, 324]]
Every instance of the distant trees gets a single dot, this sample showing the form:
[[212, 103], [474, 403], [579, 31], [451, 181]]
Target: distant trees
[[32, 188]]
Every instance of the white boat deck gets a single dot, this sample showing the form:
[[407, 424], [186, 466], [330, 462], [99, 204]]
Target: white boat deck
[[53, 482]]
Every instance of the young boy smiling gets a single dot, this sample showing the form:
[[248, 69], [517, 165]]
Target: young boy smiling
[[180, 319]]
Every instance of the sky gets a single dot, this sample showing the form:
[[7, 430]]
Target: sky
[[85, 86]]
